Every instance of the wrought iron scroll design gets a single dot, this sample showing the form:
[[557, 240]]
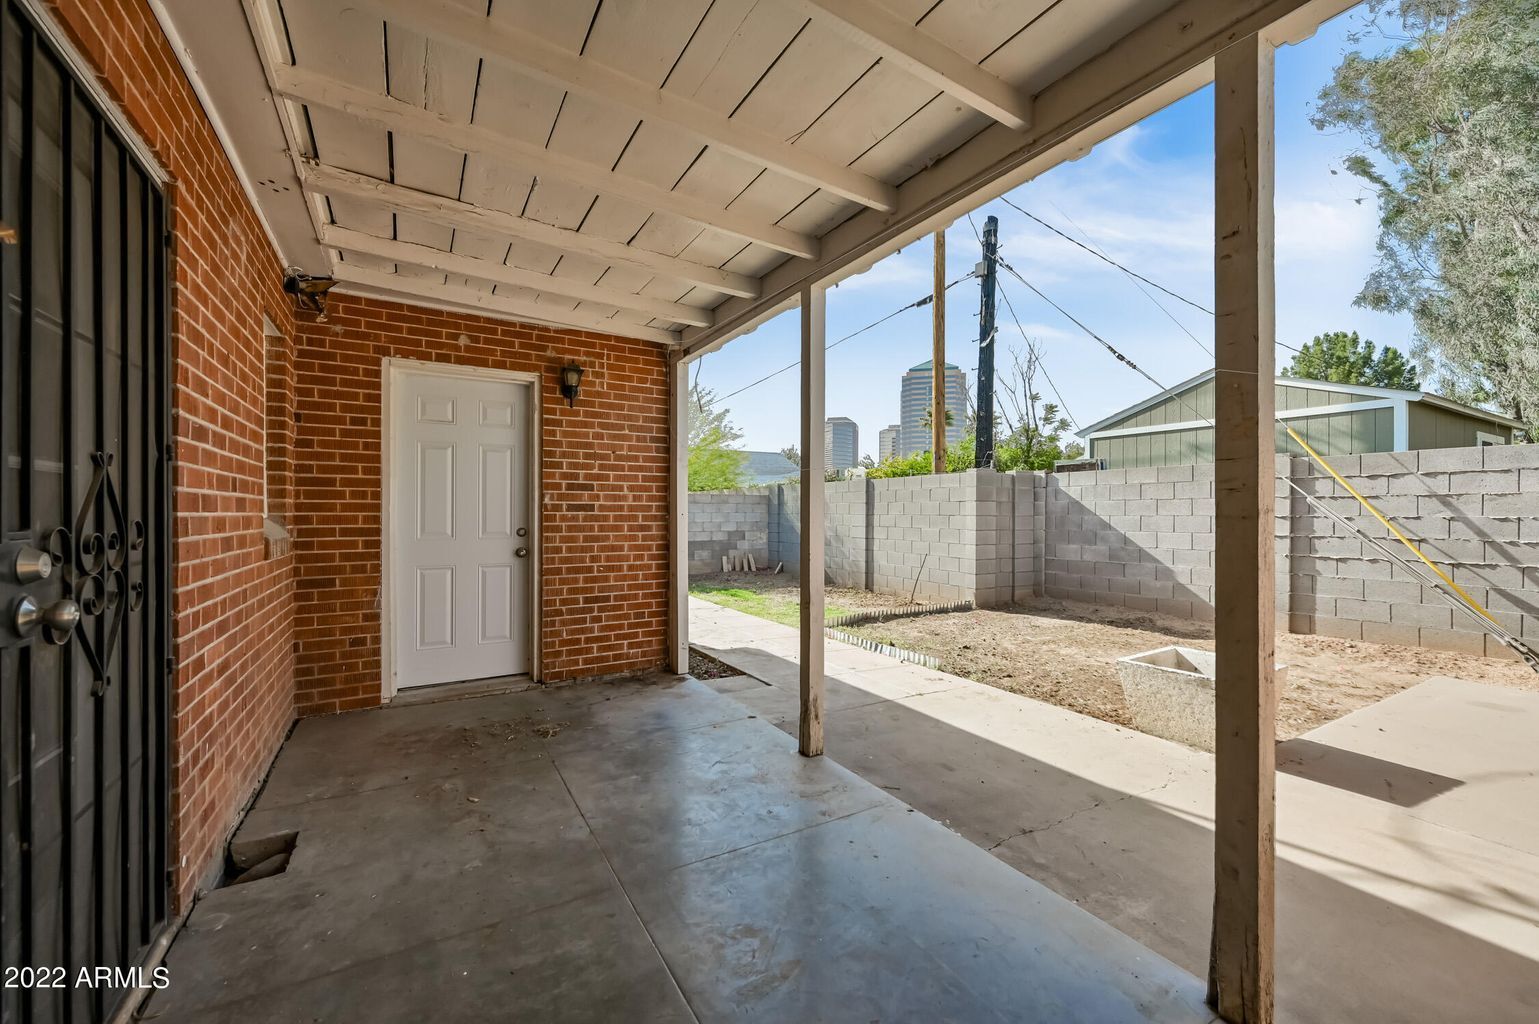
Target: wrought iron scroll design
[[97, 571]]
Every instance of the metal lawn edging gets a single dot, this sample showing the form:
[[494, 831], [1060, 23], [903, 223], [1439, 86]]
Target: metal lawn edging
[[888, 614], [914, 657]]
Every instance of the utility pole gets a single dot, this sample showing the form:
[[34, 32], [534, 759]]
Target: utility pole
[[938, 359], [984, 450]]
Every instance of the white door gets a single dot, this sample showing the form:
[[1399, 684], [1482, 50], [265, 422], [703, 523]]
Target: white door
[[462, 540]]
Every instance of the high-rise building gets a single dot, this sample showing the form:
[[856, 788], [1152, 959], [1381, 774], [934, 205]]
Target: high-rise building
[[914, 403], [841, 442], [887, 442]]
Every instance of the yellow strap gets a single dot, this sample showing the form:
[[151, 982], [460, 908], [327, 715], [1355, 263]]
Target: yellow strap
[[1388, 525]]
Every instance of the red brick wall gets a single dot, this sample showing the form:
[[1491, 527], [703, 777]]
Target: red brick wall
[[233, 608], [604, 499]]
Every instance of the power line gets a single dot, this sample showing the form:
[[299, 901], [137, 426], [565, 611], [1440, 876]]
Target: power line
[[1073, 320], [1102, 256], [1131, 277], [916, 304], [1133, 274], [1061, 403]]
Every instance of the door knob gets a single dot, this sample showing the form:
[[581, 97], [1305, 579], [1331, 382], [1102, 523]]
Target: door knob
[[521, 552], [61, 617]]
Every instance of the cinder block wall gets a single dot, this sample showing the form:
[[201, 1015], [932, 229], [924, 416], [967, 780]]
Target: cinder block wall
[[728, 523], [1473, 511], [939, 538], [1143, 539], [1137, 538]]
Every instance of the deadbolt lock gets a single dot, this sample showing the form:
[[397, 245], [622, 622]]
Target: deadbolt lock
[[24, 563], [523, 531]]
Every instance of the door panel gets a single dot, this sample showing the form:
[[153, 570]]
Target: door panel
[[460, 462], [85, 491]]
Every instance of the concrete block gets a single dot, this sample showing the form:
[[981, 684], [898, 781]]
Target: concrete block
[[1508, 505], [1510, 456], [1436, 615], [1392, 591], [1389, 633], [1363, 611], [1450, 459], [1458, 640], [1491, 481], [1346, 629], [1389, 463]]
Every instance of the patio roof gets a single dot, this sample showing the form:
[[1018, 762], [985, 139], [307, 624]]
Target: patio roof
[[672, 170]]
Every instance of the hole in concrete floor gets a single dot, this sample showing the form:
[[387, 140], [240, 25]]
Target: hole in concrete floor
[[252, 860], [704, 667]]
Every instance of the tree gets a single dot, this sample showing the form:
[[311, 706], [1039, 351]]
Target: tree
[[1342, 358], [1035, 439], [714, 465], [1450, 119], [792, 455]]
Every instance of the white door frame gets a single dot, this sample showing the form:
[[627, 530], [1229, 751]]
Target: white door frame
[[390, 370]]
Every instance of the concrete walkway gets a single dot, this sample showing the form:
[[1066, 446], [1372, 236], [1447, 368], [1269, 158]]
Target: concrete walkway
[[647, 851], [1408, 887]]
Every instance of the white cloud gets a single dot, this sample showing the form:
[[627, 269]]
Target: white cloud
[[904, 268]]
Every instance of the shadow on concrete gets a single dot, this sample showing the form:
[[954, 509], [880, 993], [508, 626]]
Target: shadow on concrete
[[1362, 774], [1145, 868]]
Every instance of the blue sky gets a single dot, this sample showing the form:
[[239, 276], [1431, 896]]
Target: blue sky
[[1144, 197]]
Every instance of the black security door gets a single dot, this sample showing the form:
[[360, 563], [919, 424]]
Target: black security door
[[84, 543]]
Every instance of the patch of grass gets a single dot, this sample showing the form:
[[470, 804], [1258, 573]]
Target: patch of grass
[[782, 606]]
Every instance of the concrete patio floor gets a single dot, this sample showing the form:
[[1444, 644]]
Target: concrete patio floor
[[638, 852], [1408, 832]]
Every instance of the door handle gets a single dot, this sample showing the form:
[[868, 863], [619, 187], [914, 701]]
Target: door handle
[[59, 618], [521, 552]]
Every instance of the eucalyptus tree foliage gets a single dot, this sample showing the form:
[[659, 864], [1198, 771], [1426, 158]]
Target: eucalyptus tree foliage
[[1450, 123], [714, 464]]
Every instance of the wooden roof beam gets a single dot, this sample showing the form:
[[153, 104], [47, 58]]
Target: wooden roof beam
[[497, 305], [322, 179], [531, 55], [870, 25], [349, 240], [312, 87]]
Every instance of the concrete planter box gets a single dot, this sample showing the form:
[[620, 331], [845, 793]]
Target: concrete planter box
[[1170, 693]]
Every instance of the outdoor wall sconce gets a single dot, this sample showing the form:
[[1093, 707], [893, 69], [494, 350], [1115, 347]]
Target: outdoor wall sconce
[[571, 382]]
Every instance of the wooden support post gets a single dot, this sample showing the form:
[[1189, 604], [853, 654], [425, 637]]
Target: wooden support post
[[938, 359], [678, 515], [810, 728], [1240, 971]]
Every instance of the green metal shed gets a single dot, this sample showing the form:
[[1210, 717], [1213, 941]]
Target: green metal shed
[[1174, 427]]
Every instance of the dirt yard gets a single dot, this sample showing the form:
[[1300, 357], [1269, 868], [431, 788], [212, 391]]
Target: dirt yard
[[1064, 652]]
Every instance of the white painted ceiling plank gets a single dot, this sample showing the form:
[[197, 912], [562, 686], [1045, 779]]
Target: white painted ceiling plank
[[869, 24], [617, 90], [496, 223], [460, 293], [386, 112], [499, 273], [435, 76], [732, 49], [643, 38]]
